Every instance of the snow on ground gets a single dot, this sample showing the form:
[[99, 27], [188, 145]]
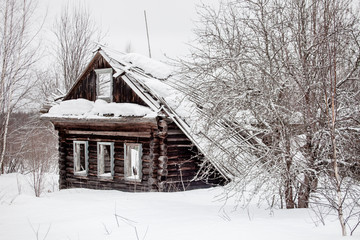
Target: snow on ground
[[90, 214]]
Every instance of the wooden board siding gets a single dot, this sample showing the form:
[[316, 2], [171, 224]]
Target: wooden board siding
[[86, 86], [122, 93]]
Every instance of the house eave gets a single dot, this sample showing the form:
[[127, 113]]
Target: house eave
[[98, 120]]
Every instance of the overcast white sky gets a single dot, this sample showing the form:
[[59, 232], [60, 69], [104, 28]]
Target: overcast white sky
[[170, 22]]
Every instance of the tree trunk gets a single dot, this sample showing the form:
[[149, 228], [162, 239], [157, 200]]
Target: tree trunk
[[4, 140], [307, 186], [338, 188], [289, 200], [333, 142]]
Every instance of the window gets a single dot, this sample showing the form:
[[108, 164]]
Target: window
[[105, 153], [133, 153], [104, 81], [80, 157]]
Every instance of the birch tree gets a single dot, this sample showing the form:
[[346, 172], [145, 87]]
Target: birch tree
[[261, 69], [17, 57], [76, 33]]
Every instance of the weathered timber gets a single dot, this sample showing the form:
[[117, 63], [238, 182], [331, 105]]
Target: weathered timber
[[105, 122], [169, 160], [162, 172], [161, 163], [108, 133], [124, 94]]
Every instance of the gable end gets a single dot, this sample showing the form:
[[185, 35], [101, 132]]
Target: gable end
[[86, 85]]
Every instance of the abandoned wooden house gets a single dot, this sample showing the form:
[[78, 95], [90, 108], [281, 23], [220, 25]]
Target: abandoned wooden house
[[118, 129]]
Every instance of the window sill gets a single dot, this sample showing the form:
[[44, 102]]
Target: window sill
[[105, 98], [130, 179], [81, 173], [106, 176]]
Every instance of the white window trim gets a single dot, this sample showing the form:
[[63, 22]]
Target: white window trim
[[105, 175], [81, 173], [104, 71], [127, 161]]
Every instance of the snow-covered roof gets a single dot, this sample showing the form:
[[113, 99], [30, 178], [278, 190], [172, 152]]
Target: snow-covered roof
[[150, 79], [83, 108], [154, 81], [152, 67]]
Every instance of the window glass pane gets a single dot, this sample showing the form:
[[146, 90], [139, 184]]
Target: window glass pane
[[81, 149], [133, 161], [80, 157], [107, 158], [104, 84]]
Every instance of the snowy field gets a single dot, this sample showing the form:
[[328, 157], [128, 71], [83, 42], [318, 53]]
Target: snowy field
[[101, 214]]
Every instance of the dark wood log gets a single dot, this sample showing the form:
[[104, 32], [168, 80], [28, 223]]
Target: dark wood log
[[147, 171], [152, 181], [119, 169], [163, 159], [103, 123], [184, 174], [162, 134], [163, 149], [123, 93], [148, 165], [111, 133], [179, 139], [174, 132], [162, 172], [162, 123]]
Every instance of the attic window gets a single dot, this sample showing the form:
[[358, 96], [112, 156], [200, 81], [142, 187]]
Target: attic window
[[133, 153], [80, 158], [105, 153], [104, 81]]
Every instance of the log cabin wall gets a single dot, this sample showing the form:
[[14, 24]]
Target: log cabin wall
[[182, 160], [144, 133], [122, 93], [169, 159]]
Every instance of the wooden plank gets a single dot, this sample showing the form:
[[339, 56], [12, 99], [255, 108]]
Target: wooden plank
[[65, 122], [109, 139], [175, 132], [110, 133], [123, 93], [178, 139]]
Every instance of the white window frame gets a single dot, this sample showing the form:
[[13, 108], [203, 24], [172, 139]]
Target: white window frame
[[77, 160], [129, 162], [100, 158], [98, 73]]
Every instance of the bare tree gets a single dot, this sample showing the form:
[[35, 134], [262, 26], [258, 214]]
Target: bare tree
[[269, 73], [41, 155], [76, 33], [17, 57]]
